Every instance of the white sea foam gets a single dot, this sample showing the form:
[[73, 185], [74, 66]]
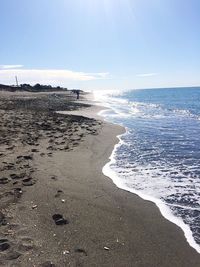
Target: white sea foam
[[111, 99], [165, 211]]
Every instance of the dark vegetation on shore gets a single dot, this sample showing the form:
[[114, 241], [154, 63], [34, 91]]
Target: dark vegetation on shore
[[33, 88]]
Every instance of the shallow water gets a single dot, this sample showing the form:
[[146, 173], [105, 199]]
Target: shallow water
[[159, 156]]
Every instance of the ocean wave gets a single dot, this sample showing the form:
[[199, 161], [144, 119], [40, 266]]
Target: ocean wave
[[158, 159], [125, 108]]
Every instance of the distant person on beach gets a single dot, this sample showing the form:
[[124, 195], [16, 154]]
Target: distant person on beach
[[77, 94]]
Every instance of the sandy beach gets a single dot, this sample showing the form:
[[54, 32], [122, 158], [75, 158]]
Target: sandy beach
[[57, 207]]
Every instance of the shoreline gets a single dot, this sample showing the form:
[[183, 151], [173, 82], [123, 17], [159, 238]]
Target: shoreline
[[112, 175], [164, 209], [147, 202], [107, 225]]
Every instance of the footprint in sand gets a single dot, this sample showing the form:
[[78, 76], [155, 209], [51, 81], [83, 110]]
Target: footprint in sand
[[25, 244], [47, 264], [15, 176], [4, 180], [81, 250], [28, 157], [54, 178], [2, 219], [58, 194], [12, 255], [34, 150], [4, 244], [28, 182]]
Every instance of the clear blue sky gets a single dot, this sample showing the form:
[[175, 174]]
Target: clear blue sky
[[101, 44]]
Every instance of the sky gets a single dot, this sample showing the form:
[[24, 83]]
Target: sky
[[100, 44]]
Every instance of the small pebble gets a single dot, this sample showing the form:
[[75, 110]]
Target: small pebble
[[65, 252]]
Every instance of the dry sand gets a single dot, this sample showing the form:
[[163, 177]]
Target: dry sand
[[101, 225]]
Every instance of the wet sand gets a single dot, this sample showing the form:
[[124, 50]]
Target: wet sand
[[58, 209]]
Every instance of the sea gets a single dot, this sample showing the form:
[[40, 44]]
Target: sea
[[158, 156]]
